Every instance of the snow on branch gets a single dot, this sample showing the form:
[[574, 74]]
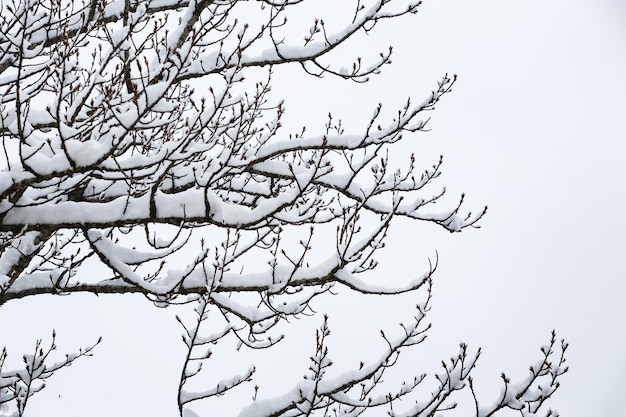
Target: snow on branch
[[143, 139], [529, 395], [17, 386], [355, 392]]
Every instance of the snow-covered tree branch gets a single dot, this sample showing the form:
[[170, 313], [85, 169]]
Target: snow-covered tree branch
[[18, 385], [141, 140]]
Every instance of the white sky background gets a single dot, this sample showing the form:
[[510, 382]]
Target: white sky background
[[533, 129]]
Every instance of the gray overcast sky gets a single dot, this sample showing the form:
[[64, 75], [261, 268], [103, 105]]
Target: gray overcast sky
[[534, 129]]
